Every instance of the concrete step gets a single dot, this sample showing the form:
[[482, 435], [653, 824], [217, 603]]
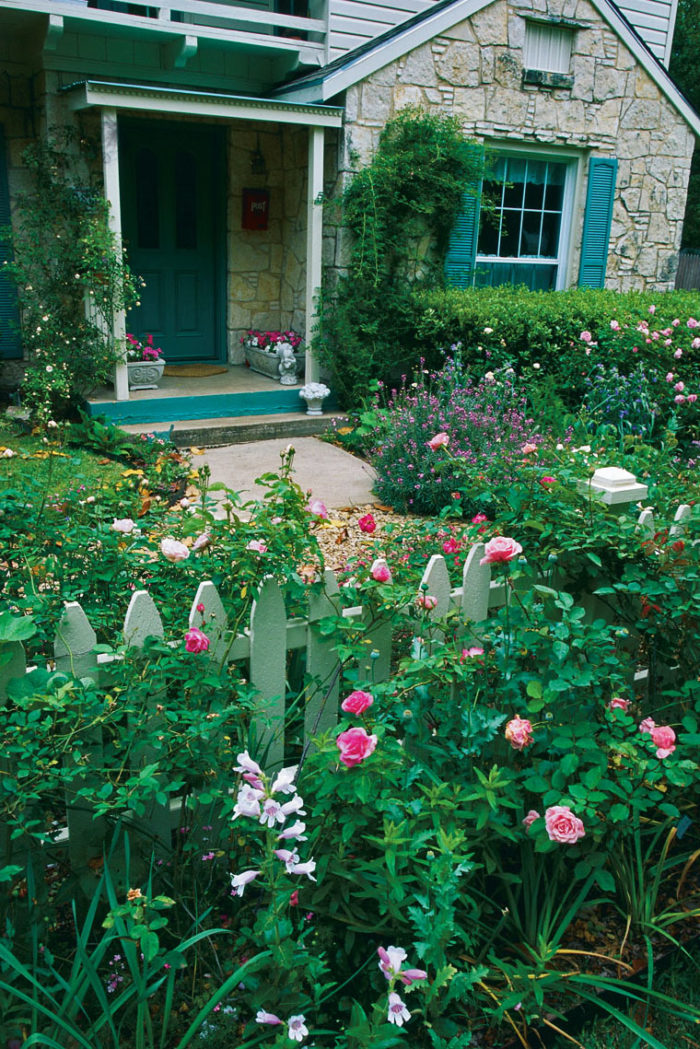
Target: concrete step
[[216, 433]]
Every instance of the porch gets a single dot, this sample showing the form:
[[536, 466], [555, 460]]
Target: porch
[[229, 407]]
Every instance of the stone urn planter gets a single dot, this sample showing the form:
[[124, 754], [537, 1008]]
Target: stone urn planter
[[145, 375], [314, 394], [273, 364]]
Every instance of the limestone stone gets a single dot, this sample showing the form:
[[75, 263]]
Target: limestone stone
[[459, 64], [625, 58], [384, 77], [487, 70], [605, 119], [252, 255], [418, 68], [644, 86], [439, 96], [647, 261], [608, 83], [516, 32], [508, 70], [376, 103], [506, 107], [462, 31], [352, 101], [675, 139], [490, 24], [570, 114], [469, 105], [658, 167], [640, 113], [268, 287], [407, 95], [659, 229], [583, 68], [242, 287]]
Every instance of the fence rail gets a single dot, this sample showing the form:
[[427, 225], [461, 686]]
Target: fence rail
[[688, 273], [263, 647]]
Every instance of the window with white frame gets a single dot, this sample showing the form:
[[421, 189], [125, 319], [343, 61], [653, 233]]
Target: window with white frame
[[523, 226], [547, 47]]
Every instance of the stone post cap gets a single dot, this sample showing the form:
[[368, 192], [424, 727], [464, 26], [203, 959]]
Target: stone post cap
[[615, 486]]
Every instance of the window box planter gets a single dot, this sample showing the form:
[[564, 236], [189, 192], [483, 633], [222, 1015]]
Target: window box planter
[[266, 362]]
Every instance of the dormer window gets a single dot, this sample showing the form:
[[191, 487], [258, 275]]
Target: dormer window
[[547, 47]]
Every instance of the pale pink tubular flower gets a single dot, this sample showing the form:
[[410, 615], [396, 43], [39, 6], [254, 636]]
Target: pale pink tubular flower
[[397, 1012], [296, 1028], [390, 960], [239, 881], [266, 1018], [196, 640], [271, 813], [307, 868], [500, 549], [294, 832], [288, 857], [409, 976], [440, 440], [284, 780], [248, 803], [528, 820], [562, 825], [173, 551], [246, 764], [357, 702], [295, 806]]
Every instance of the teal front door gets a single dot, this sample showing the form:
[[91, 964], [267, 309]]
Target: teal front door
[[173, 217]]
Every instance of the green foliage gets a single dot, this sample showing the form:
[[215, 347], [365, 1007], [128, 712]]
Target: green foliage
[[71, 278], [398, 211]]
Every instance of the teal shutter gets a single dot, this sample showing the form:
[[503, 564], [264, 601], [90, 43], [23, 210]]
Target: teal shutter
[[461, 251], [10, 343], [602, 172]]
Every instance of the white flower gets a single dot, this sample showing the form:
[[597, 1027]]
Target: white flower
[[297, 1029], [202, 541], [284, 781], [124, 525], [271, 813], [294, 806], [398, 1013], [239, 881], [295, 831], [247, 802], [306, 868], [49, 368], [246, 764], [173, 550], [8, 453], [391, 959]]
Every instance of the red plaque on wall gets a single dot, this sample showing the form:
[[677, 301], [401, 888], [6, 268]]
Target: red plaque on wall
[[256, 208]]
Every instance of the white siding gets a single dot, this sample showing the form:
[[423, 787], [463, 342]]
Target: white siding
[[654, 20], [352, 22]]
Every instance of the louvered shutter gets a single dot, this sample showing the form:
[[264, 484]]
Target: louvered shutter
[[461, 252], [10, 344], [602, 172]]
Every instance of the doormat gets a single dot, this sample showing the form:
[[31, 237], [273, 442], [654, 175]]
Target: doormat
[[194, 371]]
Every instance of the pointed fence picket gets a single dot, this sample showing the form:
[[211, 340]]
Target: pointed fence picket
[[263, 646]]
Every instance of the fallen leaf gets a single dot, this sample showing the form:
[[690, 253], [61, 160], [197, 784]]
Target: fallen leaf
[[196, 451]]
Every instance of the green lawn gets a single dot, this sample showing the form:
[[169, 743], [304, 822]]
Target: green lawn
[[54, 465]]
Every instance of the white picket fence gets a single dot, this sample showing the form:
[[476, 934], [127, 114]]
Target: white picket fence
[[264, 648]]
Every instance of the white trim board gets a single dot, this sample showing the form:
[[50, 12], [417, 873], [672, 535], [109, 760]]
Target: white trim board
[[147, 98], [398, 42]]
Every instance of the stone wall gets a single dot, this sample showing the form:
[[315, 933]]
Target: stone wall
[[612, 108], [267, 268]]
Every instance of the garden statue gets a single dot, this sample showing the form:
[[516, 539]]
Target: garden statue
[[287, 364]]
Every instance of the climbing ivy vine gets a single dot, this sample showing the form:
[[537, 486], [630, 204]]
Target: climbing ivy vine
[[398, 212]]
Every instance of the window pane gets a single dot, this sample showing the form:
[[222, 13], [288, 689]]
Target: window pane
[[488, 232], [185, 200], [554, 194], [147, 226], [534, 190], [530, 236], [510, 233], [549, 244], [515, 183]]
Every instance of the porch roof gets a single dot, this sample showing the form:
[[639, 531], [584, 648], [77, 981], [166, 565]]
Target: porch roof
[[149, 98]]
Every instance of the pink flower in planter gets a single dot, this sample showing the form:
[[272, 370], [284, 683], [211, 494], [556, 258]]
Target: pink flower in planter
[[562, 825], [519, 733], [438, 441], [357, 702], [528, 820], [380, 571], [500, 549], [173, 551], [355, 745], [619, 703], [367, 524], [196, 640]]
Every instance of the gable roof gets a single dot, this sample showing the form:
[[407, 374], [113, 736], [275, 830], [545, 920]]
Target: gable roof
[[368, 58]]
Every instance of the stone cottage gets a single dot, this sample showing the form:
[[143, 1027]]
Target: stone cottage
[[222, 125]]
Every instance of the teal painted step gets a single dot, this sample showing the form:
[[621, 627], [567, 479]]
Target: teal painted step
[[212, 406]]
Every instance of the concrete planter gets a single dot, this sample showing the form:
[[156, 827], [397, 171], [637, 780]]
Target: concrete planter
[[145, 375], [267, 363]]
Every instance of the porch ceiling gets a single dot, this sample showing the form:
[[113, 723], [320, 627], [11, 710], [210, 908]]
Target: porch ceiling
[[147, 98]]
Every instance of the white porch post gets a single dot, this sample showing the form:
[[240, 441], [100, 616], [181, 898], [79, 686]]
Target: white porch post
[[314, 241], [110, 172]]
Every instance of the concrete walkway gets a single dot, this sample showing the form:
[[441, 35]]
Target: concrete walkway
[[332, 475]]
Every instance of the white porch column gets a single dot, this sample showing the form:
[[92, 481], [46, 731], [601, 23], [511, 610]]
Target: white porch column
[[110, 173], [314, 241]]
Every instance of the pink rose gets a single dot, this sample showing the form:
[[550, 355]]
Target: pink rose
[[519, 733], [479, 518], [664, 738], [380, 571], [124, 525], [426, 601], [173, 550], [692, 398], [679, 398], [367, 524], [652, 309], [355, 745], [500, 548], [438, 440], [318, 508], [196, 640], [647, 725], [562, 825], [450, 546], [695, 344], [471, 653], [257, 545], [548, 480], [669, 376], [679, 387], [357, 702], [692, 323], [202, 541], [528, 449], [585, 336], [615, 325], [528, 820], [678, 353], [618, 703]]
